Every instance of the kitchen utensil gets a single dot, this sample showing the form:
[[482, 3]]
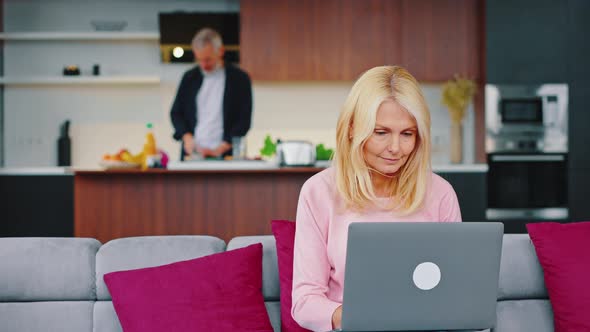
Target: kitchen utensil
[[296, 153]]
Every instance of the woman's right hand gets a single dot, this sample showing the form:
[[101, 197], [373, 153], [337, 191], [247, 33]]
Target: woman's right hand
[[337, 318]]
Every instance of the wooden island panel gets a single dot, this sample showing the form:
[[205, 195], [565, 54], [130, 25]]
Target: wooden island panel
[[225, 204]]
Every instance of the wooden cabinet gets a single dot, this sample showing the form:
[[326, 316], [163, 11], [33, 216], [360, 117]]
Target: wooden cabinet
[[339, 39], [442, 38]]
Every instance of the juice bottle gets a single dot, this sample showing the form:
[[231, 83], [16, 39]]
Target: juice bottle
[[149, 147]]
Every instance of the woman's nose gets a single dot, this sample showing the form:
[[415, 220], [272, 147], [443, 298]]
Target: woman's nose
[[393, 145]]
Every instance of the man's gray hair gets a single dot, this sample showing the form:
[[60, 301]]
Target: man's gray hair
[[207, 36]]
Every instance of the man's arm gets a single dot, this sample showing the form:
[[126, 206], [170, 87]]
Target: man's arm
[[177, 111], [243, 116]]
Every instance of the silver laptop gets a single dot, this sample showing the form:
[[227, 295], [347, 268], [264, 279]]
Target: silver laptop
[[421, 276]]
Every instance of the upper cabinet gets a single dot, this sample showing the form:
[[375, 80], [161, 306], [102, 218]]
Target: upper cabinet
[[526, 41], [339, 39]]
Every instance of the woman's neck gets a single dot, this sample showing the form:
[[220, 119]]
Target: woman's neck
[[382, 183]]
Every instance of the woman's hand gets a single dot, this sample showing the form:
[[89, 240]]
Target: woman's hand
[[337, 318]]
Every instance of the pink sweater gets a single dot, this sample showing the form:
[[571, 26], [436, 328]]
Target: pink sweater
[[320, 242]]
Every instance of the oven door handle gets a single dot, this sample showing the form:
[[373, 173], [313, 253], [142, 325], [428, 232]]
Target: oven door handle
[[511, 158]]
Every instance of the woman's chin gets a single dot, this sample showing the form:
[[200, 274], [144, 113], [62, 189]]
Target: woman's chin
[[388, 171]]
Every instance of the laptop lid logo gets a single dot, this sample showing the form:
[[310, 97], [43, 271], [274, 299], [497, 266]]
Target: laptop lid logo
[[426, 276]]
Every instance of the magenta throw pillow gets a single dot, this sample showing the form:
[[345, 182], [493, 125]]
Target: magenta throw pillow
[[284, 232], [564, 253], [220, 292]]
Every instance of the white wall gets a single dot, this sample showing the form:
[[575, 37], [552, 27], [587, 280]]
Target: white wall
[[107, 118]]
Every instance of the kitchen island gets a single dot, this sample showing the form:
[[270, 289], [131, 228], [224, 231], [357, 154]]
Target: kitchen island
[[206, 198], [213, 198], [223, 203]]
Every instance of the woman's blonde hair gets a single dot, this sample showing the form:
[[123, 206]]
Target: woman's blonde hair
[[356, 125]]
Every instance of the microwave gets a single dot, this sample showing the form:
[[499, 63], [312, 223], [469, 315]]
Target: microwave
[[522, 110], [526, 118]]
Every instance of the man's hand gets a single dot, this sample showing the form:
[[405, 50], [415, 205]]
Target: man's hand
[[337, 318], [189, 143], [218, 151], [222, 148], [205, 152]]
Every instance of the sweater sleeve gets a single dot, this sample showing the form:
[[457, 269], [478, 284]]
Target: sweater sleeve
[[311, 267]]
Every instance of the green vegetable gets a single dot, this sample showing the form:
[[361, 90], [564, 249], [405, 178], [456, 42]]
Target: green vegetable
[[321, 153], [269, 148]]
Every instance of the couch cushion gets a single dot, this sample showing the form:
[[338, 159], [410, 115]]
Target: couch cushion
[[138, 252], [47, 269], [521, 276], [105, 318], [273, 308], [219, 292], [50, 316], [270, 270], [564, 253], [524, 315]]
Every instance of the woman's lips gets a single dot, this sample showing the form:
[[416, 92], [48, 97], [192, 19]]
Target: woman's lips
[[390, 160]]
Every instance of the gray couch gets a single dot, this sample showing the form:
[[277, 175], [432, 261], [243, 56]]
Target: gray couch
[[56, 284]]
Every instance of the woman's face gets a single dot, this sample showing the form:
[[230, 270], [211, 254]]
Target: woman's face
[[393, 139]]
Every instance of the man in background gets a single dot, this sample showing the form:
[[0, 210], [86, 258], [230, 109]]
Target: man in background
[[213, 102]]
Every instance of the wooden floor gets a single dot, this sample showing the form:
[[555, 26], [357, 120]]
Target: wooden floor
[[225, 204]]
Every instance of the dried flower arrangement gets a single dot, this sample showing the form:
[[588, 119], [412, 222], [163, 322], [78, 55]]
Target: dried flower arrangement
[[456, 96]]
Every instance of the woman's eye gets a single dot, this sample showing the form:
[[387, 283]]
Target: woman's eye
[[408, 134], [380, 132]]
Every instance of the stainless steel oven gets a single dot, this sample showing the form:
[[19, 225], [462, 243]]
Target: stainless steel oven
[[527, 146], [527, 186]]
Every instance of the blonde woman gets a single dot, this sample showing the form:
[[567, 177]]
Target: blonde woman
[[381, 173]]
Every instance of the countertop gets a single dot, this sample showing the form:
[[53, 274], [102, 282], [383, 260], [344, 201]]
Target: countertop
[[222, 166], [10, 171]]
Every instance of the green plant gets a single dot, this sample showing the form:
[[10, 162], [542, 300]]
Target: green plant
[[269, 148], [322, 153]]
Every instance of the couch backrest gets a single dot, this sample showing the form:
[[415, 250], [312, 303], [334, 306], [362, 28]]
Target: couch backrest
[[56, 284], [47, 284], [270, 273], [523, 304]]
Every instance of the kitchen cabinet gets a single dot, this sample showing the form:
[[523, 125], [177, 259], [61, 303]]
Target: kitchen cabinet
[[440, 39], [578, 47], [579, 192], [579, 107], [339, 39], [470, 188], [526, 41], [37, 205], [579, 120]]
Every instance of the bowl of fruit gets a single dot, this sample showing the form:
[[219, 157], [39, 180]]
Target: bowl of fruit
[[121, 160]]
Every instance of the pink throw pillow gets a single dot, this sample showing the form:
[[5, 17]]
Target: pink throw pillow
[[284, 232], [564, 253], [219, 292]]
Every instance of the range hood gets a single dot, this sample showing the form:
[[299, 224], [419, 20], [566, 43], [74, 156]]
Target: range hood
[[177, 29]]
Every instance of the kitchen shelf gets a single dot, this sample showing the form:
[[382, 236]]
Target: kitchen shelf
[[75, 80], [115, 35]]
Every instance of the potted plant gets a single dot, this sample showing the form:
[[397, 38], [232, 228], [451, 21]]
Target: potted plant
[[457, 94]]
